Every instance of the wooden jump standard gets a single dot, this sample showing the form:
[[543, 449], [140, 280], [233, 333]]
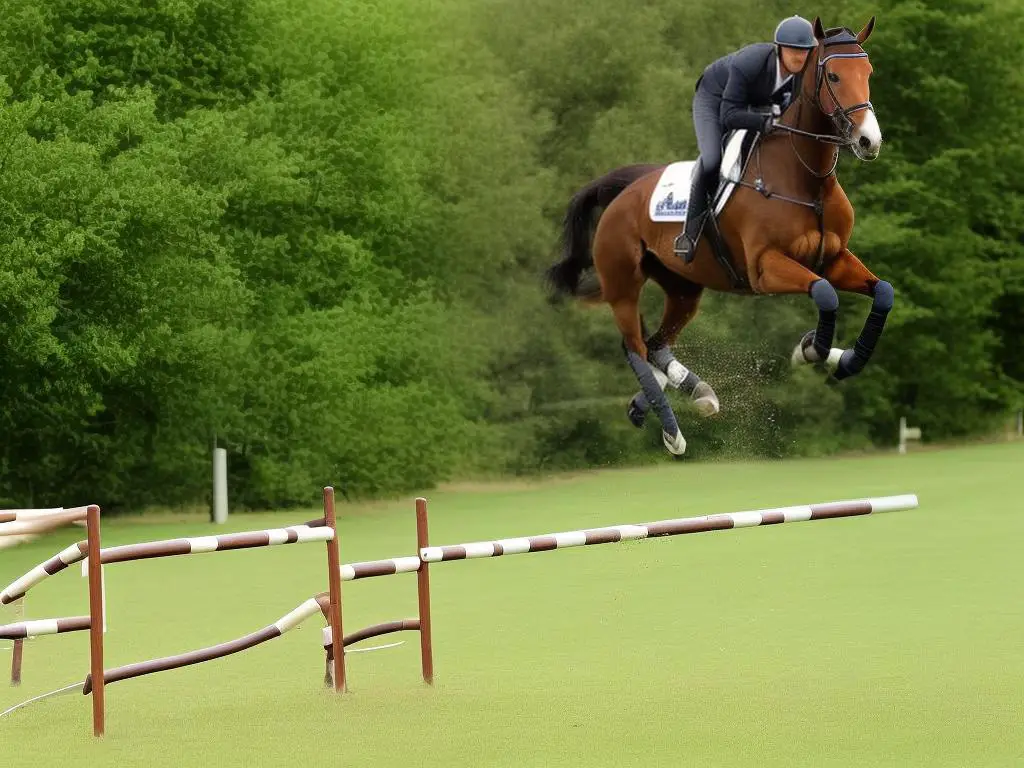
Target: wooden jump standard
[[324, 530]]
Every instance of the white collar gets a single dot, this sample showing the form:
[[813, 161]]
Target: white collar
[[779, 79]]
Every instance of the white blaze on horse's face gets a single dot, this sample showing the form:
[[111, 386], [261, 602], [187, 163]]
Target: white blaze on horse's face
[[867, 135]]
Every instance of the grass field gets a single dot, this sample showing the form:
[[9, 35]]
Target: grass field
[[891, 640]]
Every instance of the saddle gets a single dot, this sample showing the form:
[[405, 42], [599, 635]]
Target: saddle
[[670, 199]]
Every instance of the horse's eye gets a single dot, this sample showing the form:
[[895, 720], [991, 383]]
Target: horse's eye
[[833, 77]]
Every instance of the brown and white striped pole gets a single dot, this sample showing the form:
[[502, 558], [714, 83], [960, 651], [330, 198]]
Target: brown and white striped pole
[[368, 569], [26, 629], [296, 534], [96, 619], [334, 587], [17, 589], [675, 527], [277, 629]]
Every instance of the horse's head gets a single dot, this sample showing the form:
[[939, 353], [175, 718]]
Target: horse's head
[[840, 87]]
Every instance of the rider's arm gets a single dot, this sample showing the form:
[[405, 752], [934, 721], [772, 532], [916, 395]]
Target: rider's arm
[[736, 111]]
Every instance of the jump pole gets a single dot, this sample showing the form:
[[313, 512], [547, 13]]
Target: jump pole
[[152, 666], [674, 527], [23, 630]]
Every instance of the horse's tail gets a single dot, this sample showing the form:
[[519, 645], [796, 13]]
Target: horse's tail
[[564, 276]]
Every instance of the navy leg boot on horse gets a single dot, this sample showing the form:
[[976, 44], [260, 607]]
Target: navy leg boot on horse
[[853, 360], [816, 346]]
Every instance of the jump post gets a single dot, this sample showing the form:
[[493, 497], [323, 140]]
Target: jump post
[[390, 567]]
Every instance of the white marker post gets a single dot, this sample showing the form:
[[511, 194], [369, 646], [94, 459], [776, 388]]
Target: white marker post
[[907, 433], [220, 486]]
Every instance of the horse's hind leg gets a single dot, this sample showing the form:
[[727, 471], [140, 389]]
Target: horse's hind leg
[[617, 255], [627, 316], [682, 300], [679, 311]]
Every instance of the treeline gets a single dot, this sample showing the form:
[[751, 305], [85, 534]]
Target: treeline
[[314, 233]]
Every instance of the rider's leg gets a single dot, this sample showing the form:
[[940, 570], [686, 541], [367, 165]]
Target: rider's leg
[[709, 145]]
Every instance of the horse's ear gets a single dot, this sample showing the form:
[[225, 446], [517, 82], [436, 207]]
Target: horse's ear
[[819, 30], [865, 33]]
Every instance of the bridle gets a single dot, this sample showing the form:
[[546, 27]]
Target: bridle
[[839, 115]]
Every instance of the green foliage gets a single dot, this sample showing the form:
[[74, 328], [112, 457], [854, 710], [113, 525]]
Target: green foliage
[[313, 232]]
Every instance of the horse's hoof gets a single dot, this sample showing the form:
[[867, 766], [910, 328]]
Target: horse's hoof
[[675, 445], [803, 352], [705, 400], [636, 414]]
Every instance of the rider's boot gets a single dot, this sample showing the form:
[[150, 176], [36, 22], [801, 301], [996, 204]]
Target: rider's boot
[[685, 245]]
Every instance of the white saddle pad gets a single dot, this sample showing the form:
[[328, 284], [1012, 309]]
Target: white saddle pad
[[671, 195]]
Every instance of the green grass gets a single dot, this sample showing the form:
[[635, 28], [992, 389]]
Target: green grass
[[890, 640]]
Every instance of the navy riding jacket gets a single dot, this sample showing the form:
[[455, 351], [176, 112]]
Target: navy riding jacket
[[744, 83]]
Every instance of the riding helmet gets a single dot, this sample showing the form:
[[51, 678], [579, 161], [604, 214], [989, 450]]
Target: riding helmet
[[795, 32]]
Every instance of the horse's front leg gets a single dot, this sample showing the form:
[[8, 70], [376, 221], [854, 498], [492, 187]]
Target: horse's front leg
[[847, 273], [778, 273]]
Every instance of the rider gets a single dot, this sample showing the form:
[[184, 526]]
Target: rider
[[739, 91]]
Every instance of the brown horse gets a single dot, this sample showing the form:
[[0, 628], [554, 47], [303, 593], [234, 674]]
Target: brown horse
[[783, 230]]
